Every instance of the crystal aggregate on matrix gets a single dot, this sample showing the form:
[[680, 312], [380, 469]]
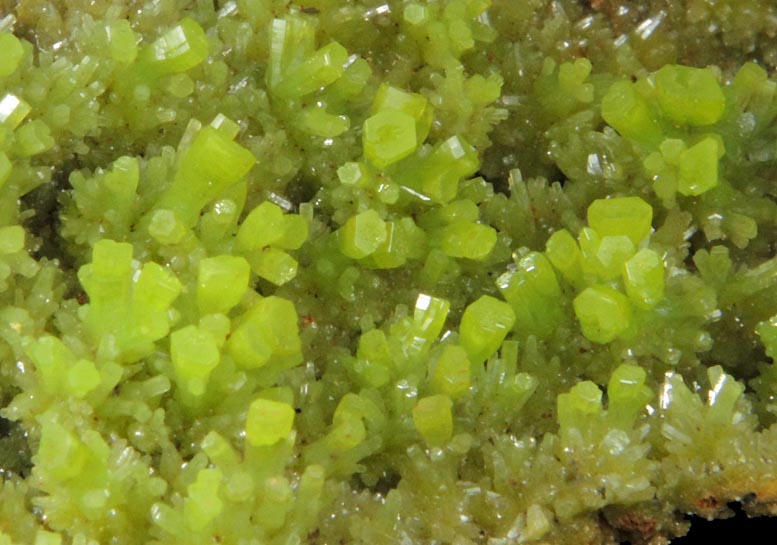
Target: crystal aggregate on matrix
[[385, 271]]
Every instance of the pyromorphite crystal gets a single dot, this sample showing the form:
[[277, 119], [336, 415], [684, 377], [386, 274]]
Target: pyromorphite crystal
[[362, 234], [629, 113], [689, 95], [626, 216], [432, 418], [222, 281], [643, 276], [484, 326], [211, 165], [603, 313], [562, 250], [699, 167], [318, 70], [11, 239], [195, 355], [13, 110], [455, 271], [451, 375], [61, 453], [12, 53], [268, 422], [203, 503], [123, 41], [389, 136], [182, 47], [470, 240], [269, 328], [534, 293]]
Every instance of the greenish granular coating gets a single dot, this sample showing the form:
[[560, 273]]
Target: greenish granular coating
[[464, 272]]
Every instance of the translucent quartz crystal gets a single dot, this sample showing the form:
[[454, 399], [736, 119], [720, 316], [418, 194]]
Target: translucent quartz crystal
[[362, 234], [625, 110], [603, 312], [209, 166], [11, 239], [433, 419], [320, 69], [484, 325], [13, 110], [688, 95], [268, 329], [451, 373], [12, 53], [268, 422], [388, 136], [534, 293], [699, 167], [643, 277], [195, 355], [628, 216], [179, 49]]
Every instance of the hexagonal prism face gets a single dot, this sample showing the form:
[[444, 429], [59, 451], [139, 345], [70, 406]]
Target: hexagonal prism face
[[362, 234], [388, 137]]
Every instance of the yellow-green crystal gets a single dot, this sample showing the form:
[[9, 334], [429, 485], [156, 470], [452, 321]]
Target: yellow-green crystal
[[430, 272]]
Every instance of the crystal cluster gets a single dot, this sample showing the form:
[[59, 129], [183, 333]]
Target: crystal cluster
[[456, 271]]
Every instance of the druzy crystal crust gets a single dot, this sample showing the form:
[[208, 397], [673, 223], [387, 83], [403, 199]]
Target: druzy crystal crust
[[466, 272]]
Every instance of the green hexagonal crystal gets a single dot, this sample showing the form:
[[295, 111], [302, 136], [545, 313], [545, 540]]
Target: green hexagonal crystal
[[362, 234], [627, 216], [388, 137], [699, 167], [603, 313], [484, 326], [689, 95]]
